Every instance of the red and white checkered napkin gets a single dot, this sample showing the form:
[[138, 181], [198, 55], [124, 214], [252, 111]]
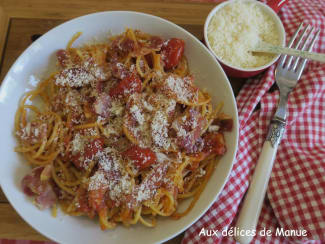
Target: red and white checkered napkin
[[296, 193]]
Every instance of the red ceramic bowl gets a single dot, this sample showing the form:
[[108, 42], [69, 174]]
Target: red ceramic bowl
[[234, 71]]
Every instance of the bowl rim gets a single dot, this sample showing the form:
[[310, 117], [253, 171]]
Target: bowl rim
[[236, 118], [272, 13]]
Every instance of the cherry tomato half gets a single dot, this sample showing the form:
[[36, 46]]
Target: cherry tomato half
[[172, 52], [128, 85], [141, 157], [93, 147], [90, 150]]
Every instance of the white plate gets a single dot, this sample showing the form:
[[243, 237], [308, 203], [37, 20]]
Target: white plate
[[38, 59]]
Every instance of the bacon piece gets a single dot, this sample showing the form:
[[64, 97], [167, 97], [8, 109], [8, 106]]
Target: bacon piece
[[47, 198], [162, 103], [214, 143], [100, 72], [134, 120], [145, 48], [181, 89], [57, 103], [100, 87], [170, 185], [119, 70], [62, 57], [91, 70], [225, 124], [156, 42], [68, 59], [121, 47], [127, 45], [102, 105], [42, 190], [110, 181], [74, 77], [31, 183], [112, 56], [188, 128], [73, 101], [148, 186]]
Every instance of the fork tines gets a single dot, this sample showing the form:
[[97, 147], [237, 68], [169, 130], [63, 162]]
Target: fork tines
[[305, 41]]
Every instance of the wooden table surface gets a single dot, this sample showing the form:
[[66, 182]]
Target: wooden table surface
[[23, 20]]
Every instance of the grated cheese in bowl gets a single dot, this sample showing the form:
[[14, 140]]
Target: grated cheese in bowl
[[238, 26]]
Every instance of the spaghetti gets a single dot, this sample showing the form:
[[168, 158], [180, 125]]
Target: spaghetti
[[121, 133]]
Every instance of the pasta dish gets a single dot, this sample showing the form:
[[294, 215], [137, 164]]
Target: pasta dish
[[120, 131]]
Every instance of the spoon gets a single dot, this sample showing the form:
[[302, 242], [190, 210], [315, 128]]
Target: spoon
[[264, 47]]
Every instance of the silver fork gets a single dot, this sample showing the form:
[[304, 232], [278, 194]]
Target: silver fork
[[288, 71]]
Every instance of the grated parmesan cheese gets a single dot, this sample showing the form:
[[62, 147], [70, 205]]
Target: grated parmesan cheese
[[74, 77], [144, 193], [147, 106], [238, 27], [148, 187], [136, 112], [111, 175], [171, 105], [159, 130], [78, 144], [98, 181], [181, 132], [180, 87]]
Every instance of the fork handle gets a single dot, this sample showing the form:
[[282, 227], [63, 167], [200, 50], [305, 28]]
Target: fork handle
[[254, 198], [252, 205]]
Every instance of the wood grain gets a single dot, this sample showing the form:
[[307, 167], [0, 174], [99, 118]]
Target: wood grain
[[180, 12], [21, 30], [4, 24], [12, 226], [20, 37], [3, 198]]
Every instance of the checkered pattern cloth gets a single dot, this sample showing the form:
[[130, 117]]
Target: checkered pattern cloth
[[296, 193]]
